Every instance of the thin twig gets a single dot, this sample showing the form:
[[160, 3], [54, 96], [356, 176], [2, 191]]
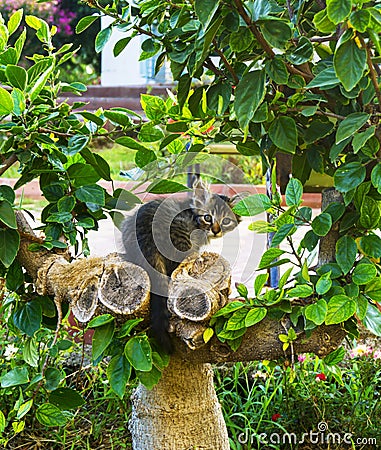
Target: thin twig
[[226, 62]]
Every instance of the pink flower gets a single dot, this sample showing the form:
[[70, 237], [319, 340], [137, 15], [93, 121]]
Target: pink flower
[[302, 357], [377, 354], [360, 350], [320, 377]]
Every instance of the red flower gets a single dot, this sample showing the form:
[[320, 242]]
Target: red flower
[[275, 417], [320, 377]]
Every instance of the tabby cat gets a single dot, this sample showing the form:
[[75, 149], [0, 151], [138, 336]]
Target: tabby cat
[[160, 234]]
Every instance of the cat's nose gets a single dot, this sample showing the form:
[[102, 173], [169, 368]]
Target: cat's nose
[[216, 229]]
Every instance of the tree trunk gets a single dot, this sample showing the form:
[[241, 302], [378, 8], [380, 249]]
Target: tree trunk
[[181, 412]]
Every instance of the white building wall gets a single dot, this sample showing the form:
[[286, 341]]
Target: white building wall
[[125, 69]]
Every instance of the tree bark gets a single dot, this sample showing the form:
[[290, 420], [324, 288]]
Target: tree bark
[[181, 412]]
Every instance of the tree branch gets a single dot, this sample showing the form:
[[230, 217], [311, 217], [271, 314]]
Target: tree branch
[[7, 163], [253, 28], [372, 71]]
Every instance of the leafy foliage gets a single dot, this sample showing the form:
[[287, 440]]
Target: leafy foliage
[[297, 77]]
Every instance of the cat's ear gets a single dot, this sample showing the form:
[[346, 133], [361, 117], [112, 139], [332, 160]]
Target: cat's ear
[[201, 193], [237, 198]]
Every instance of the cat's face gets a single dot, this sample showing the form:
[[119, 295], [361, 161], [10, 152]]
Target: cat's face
[[213, 212]]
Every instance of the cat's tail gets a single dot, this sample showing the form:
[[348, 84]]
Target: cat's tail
[[160, 322]]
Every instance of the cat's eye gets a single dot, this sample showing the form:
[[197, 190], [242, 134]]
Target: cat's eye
[[208, 218], [226, 221]]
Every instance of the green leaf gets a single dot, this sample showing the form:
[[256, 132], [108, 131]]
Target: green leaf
[[259, 282], [2, 422], [166, 187], [346, 252], [15, 276], [283, 133], [236, 321], [240, 40], [360, 20], [76, 144], [302, 53], [91, 193], [7, 214], [350, 125], [269, 256], [285, 230], [100, 320], [360, 139], [19, 102], [376, 176], [326, 79], [364, 273], [340, 309], [369, 213], [252, 205], [145, 157], [66, 203], [229, 308], [335, 357], [128, 142], [102, 38], [317, 312], [205, 10], [101, 339], [66, 398], [362, 306], [7, 193], [118, 374], [338, 10], [82, 174], [60, 217], [35, 86], [349, 62], [249, 94], [28, 317], [276, 33], [373, 289], [150, 133], [153, 106], [300, 291], [370, 245], [9, 245], [53, 378], [15, 377], [23, 410], [324, 283], [372, 320], [254, 316], [284, 278], [17, 76], [294, 192], [30, 353], [149, 379], [50, 416], [139, 353], [349, 176], [121, 45], [322, 224], [6, 102], [14, 21], [85, 22]]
